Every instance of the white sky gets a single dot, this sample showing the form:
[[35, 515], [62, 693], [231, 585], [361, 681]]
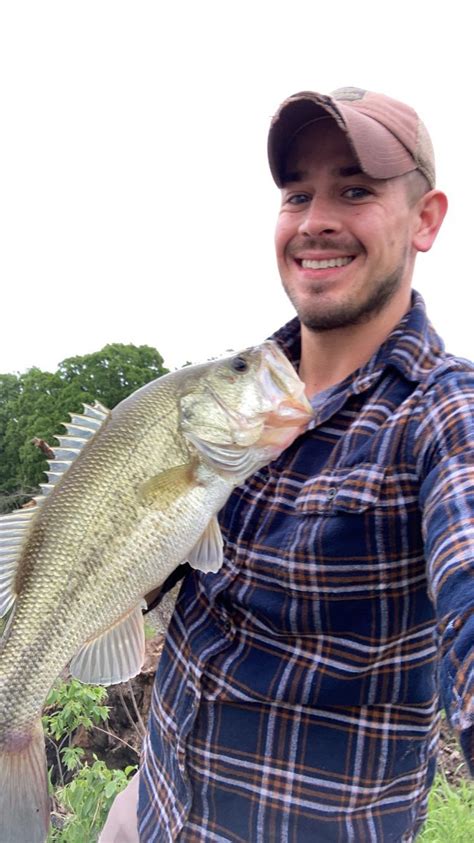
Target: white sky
[[136, 203]]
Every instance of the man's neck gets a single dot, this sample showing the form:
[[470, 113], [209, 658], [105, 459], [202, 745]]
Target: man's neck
[[327, 357]]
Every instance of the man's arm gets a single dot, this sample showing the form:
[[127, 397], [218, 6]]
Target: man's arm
[[446, 436]]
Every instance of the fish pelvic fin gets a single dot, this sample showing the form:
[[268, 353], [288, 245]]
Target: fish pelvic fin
[[208, 553], [24, 800], [114, 656]]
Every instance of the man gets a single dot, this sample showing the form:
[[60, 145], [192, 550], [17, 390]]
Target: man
[[297, 697]]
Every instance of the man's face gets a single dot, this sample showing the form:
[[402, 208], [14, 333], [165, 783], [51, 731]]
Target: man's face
[[343, 240]]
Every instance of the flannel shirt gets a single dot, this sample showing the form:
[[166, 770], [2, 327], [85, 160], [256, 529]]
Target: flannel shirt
[[297, 697]]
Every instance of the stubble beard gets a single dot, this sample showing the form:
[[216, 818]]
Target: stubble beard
[[349, 313]]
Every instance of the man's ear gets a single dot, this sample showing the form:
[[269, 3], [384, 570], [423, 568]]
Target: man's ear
[[431, 209]]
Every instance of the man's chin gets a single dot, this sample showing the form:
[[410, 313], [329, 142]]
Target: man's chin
[[331, 321], [322, 314]]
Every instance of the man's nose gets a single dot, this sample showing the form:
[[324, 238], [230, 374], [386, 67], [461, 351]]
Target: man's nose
[[320, 217]]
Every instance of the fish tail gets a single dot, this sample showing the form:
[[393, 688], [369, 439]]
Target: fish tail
[[24, 800]]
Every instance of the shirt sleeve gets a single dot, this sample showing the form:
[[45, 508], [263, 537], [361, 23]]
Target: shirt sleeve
[[446, 440]]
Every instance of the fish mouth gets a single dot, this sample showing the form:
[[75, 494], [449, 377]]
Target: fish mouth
[[290, 414], [289, 411], [283, 389]]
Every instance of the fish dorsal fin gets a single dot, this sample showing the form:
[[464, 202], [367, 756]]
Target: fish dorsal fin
[[13, 529], [114, 656], [80, 431], [207, 555]]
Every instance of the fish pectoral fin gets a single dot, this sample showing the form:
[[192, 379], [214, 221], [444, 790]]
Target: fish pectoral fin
[[164, 488], [114, 656], [208, 553]]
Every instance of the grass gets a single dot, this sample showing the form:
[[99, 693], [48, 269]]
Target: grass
[[450, 813]]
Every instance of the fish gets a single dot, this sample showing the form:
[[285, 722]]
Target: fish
[[132, 493]]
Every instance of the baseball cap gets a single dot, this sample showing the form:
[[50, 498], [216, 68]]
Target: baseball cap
[[387, 136]]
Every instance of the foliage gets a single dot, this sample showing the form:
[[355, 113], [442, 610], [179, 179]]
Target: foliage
[[87, 799], [70, 705], [9, 391], [36, 404], [450, 813], [112, 374], [86, 791]]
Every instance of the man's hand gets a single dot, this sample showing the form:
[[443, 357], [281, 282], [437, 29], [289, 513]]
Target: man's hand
[[121, 824]]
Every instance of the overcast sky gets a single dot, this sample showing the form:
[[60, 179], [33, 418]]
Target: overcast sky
[[136, 203]]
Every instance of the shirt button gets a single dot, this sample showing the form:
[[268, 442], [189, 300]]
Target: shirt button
[[331, 494]]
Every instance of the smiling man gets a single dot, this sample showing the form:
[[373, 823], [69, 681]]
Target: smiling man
[[346, 239], [298, 695]]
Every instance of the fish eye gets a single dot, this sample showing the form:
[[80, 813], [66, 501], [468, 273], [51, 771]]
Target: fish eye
[[239, 364]]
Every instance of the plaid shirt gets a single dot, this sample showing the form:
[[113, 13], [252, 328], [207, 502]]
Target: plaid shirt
[[298, 692]]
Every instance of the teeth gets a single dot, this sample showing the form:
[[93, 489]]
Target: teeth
[[325, 264]]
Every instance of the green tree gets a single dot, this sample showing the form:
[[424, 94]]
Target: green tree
[[9, 389], [38, 410], [36, 405], [114, 372]]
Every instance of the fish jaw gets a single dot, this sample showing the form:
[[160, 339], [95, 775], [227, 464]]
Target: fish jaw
[[283, 389], [288, 412]]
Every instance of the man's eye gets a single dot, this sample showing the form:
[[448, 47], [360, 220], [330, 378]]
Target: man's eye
[[297, 199], [356, 193]]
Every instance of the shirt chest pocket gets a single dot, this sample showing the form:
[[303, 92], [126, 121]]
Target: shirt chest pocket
[[348, 490], [359, 523]]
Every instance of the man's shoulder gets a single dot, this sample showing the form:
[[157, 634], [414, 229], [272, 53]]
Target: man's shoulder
[[445, 414], [418, 351], [451, 371]]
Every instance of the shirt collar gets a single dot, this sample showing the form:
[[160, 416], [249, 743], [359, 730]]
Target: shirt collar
[[413, 348]]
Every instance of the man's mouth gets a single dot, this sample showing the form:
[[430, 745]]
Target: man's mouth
[[330, 263]]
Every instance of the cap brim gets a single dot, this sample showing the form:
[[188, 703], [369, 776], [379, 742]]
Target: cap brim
[[378, 152]]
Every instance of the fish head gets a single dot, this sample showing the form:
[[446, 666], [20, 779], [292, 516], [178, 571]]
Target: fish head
[[246, 409]]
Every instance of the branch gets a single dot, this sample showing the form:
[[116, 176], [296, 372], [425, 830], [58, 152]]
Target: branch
[[44, 447], [116, 737]]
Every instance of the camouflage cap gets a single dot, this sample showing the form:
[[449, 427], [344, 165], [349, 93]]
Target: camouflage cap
[[387, 136]]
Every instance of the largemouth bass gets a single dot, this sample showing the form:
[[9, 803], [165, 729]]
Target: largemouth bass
[[132, 494]]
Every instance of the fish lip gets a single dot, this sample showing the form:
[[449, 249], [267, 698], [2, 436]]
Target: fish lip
[[286, 392], [288, 416], [290, 412]]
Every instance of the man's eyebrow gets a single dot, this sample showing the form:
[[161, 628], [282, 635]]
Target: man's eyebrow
[[353, 170], [290, 177]]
